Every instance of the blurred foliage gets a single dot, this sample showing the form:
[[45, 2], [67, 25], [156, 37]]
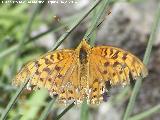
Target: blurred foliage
[[13, 19], [12, 23]]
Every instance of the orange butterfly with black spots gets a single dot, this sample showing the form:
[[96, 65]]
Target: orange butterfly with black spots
[[75, 75]]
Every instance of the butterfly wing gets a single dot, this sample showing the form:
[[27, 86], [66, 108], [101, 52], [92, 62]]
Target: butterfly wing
[[51, 71], [69, 90], [116, 64], [113, 65]]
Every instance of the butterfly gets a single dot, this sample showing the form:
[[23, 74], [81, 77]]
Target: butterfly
[[83, 73]]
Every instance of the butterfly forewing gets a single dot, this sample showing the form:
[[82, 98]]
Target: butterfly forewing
[[49, 71], [115, 64]]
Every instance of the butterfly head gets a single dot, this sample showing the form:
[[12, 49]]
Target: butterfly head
[[83, 45], [83, 49]]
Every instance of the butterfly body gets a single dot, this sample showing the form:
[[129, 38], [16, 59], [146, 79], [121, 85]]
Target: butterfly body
[[84, 73]]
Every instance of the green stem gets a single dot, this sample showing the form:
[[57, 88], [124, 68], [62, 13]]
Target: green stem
[[47, 110], [145, 60], [13, 100], [146, 114], [64, 111], [84, 111], [25, 36], [98, 16], [65, 35], [20, 45], [15, 47]]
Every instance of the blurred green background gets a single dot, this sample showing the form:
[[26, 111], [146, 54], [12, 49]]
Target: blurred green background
[[128, 26]]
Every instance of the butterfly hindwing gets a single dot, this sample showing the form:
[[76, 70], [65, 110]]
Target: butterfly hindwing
[[69, 88], [96, 83]]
